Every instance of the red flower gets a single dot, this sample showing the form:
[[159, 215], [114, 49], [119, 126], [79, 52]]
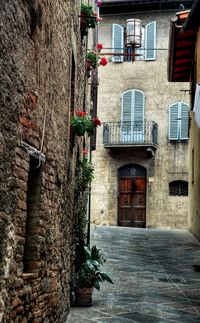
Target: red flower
[[99, 46], [96, 122], [99, 3], [85, 152], [99, 19], [103, 61], [95, 13], [81, 113]]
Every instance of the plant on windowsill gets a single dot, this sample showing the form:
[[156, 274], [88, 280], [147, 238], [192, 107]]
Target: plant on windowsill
[[83, 123], [88, 275]]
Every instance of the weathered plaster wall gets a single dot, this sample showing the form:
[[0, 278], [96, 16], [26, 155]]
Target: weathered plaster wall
[[194, 188], [37, 41], [170, 162]]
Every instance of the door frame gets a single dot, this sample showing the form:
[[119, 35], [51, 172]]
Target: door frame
[[131, 172]]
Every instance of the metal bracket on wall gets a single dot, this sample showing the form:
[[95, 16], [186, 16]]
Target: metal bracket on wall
[[33, 152]]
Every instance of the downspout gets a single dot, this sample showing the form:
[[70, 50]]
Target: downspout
[[94, 95]]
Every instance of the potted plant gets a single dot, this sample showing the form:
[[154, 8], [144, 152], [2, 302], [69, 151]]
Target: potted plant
[[88, 18], [89, 275], [83, 123], [92, 59]]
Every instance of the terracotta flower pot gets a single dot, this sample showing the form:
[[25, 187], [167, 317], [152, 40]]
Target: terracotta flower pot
[[84, 296]]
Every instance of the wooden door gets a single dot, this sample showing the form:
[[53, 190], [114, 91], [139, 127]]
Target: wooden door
[[132, 202]]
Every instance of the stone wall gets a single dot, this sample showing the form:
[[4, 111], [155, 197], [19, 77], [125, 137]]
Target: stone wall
[[42, 83], [171, 159]]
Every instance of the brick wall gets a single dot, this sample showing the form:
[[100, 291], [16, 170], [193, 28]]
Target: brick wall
[[38, 39]]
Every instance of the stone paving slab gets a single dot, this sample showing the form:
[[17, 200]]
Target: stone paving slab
[[154, 280]]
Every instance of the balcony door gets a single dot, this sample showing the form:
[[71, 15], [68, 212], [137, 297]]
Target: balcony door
[[132, 117], [132, 196]]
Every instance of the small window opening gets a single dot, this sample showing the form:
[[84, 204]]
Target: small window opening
[[178, 188], [31, 247]]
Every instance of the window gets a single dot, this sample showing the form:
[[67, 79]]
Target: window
[[132, 116], [31, 247], [178, 188], [178, 121], [147, 51]]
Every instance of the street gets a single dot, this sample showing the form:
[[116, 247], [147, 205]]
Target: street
[[153, 276]]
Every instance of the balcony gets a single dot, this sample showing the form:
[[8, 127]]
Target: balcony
[[131, 135]]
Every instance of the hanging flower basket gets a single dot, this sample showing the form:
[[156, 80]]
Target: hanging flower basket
[[88, 64], [83, 123], [87, 18]]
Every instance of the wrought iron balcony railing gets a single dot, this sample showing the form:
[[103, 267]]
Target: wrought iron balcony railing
[[130, 133]]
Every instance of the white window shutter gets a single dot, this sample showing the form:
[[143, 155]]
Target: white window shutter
[[138, 106], [126, 107], [126, 117], [132, 118], [117, 42], [138, 126], [150, 41], [174, 122], [140, 50], [184, 115]]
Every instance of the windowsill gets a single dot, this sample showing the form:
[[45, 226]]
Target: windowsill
[[178, 196], [178, 141], [29, 275]]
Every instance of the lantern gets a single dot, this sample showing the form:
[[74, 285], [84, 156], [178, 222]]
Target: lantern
[[133, 33]]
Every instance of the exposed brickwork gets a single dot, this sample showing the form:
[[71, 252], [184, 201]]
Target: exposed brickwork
[[37, 38]]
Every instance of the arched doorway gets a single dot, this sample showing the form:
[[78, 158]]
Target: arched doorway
[[132, 196]]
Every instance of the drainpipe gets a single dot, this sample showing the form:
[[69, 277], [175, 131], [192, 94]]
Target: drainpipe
[[94, 95]]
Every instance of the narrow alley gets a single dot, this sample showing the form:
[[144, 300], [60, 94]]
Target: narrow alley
[[153, 276]]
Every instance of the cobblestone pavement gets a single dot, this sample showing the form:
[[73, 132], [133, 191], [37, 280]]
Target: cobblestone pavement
[[154, 280]]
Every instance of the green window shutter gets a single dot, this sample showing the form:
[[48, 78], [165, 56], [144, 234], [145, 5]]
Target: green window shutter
[[150, 41], [184, 115], [117, 42], [174, 122]]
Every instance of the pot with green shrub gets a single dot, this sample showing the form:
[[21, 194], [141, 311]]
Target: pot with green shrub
[[89, 276]]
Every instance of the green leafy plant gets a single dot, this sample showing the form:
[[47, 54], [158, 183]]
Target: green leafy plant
[[93, 57], [83, 123], [89, 16], [89, 274], [87, 170]]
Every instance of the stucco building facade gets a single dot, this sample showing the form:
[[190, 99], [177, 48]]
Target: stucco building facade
[[188, 35], [141, 162]]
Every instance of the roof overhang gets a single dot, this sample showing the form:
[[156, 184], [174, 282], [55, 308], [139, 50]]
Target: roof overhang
[[111, 7], [181, 49]]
